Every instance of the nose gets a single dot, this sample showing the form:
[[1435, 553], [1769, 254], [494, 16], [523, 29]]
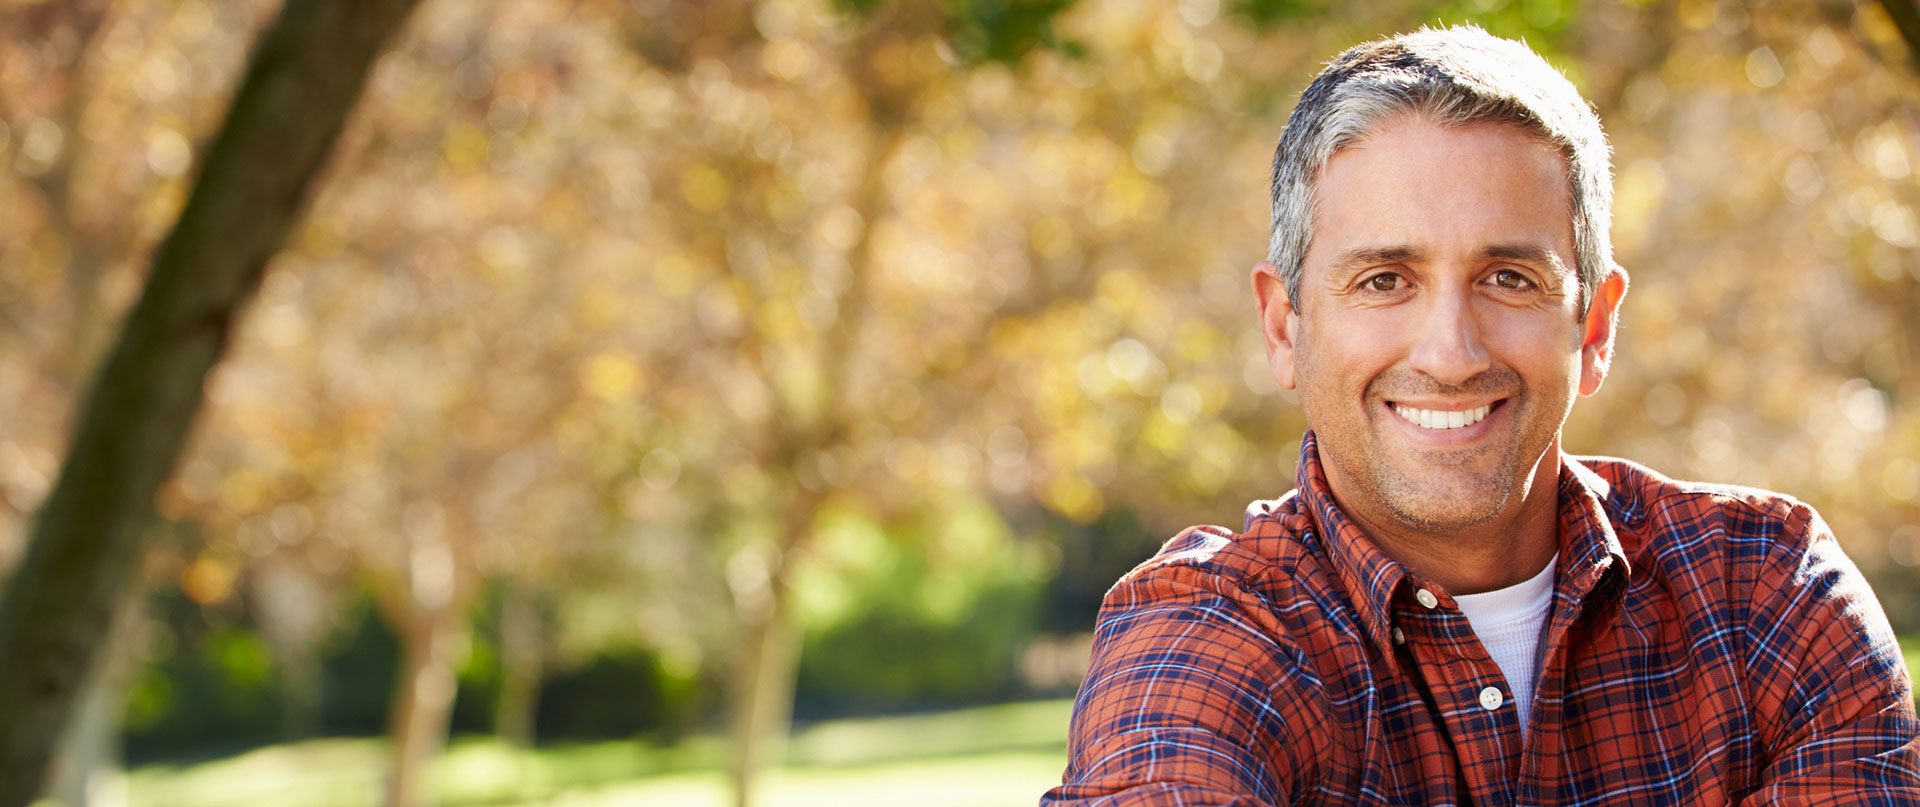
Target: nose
[[1446, 342]]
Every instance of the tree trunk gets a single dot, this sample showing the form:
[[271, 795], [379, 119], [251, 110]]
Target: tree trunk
[[1906, 19], [292, 609], [770, 648], [520, 665], [87, 768], [300, 675], [422, 706], [291, 105], [763, 698]]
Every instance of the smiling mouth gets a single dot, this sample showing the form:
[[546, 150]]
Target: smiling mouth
[[1441, 419]]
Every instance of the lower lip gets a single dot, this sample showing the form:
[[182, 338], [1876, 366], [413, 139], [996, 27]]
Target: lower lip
[[1444, 437]]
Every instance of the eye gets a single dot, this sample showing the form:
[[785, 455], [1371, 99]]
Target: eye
[[1385, 281], [1510, 279]]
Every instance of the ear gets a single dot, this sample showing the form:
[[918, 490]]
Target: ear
[[1603, 319], [1278, 321]]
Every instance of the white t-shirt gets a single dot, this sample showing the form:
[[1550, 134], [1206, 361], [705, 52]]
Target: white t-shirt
[[1509, 622]]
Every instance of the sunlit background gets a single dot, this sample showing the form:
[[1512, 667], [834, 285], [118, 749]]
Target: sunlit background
[[658, 384]]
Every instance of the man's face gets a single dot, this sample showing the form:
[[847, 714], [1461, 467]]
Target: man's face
[[1438, 343]]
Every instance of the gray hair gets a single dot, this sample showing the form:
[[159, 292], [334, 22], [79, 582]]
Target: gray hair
[[1453, 77]]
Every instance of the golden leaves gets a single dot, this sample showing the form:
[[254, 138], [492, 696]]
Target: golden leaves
[[613, 377], [208, 580], [705, 188]]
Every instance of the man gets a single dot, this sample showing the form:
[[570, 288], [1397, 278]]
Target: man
[[1448, 610]]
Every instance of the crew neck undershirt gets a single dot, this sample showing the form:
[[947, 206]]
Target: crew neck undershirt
[[1508, 622]]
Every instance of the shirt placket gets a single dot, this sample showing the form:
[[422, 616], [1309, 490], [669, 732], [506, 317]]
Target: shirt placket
[[1569, 627], [1470, 696]]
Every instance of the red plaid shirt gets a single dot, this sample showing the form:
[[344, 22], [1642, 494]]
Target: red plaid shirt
[[1708, 645]]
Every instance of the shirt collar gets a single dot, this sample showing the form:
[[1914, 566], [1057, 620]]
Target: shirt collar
[[1590, 550], [1593, 563]]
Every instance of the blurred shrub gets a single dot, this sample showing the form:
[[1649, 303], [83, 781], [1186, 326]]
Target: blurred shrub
[[211, 686], [892, 658], [359, 666], [621, 693], [929, 612], [1092, 557]]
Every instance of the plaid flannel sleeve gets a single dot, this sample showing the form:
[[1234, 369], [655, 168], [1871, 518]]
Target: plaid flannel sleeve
[[1184, 702], [1832, 698]]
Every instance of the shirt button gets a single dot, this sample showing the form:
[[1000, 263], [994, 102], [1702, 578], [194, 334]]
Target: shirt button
[[1491, 698], [1399, 637], [1426, 598]]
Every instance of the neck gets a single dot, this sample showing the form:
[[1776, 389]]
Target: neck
[[1512, 546]]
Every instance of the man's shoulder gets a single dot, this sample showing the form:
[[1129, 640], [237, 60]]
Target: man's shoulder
[[1249, 594], [1640, 490], [1203, 552], [1224, 561], [1660, 513]]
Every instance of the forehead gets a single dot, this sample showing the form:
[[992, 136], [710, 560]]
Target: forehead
[[1413, 182]]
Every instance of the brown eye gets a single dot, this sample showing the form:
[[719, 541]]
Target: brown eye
[[1509, 279], [1385, 281]]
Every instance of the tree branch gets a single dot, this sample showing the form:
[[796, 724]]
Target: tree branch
[[1906, 17]]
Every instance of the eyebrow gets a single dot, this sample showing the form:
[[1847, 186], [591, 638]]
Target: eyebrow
[[1525, 253], [1363, 257]]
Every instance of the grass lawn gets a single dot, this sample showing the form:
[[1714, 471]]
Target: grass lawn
[[988, 756], [994, 755]]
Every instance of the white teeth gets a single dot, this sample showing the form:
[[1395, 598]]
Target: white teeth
[[1443, 419]]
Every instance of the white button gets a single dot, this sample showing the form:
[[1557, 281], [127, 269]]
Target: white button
[[1491, 698], [1399, 637], [1426, 598]]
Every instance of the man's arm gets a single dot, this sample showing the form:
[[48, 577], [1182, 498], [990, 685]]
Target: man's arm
[[1184, 702], [1832, 698]]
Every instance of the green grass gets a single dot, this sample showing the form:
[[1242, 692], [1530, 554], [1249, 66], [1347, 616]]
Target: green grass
[[1005, 754], [993, 755], [982, 779]]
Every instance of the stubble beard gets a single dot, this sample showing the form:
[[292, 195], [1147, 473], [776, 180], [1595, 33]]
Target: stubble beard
[[1441, 492], [1422, 503]]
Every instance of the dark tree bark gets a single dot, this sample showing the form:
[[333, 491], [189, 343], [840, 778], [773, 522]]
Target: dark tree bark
[[1906, 18], [305, 75], [89, 754]]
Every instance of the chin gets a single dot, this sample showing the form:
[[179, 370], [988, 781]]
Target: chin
[[1447, 508], [1444, 517]]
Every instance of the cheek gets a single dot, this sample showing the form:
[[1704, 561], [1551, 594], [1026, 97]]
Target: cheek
[[1360, 344], [1536, 345]]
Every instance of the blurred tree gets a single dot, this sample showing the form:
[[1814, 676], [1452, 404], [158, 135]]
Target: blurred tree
[[700, 330], [1765, 208], [69, 86], [304, 79], [86, 765], [798, 361], [1905, 15], [873, 321], [414, 407]]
